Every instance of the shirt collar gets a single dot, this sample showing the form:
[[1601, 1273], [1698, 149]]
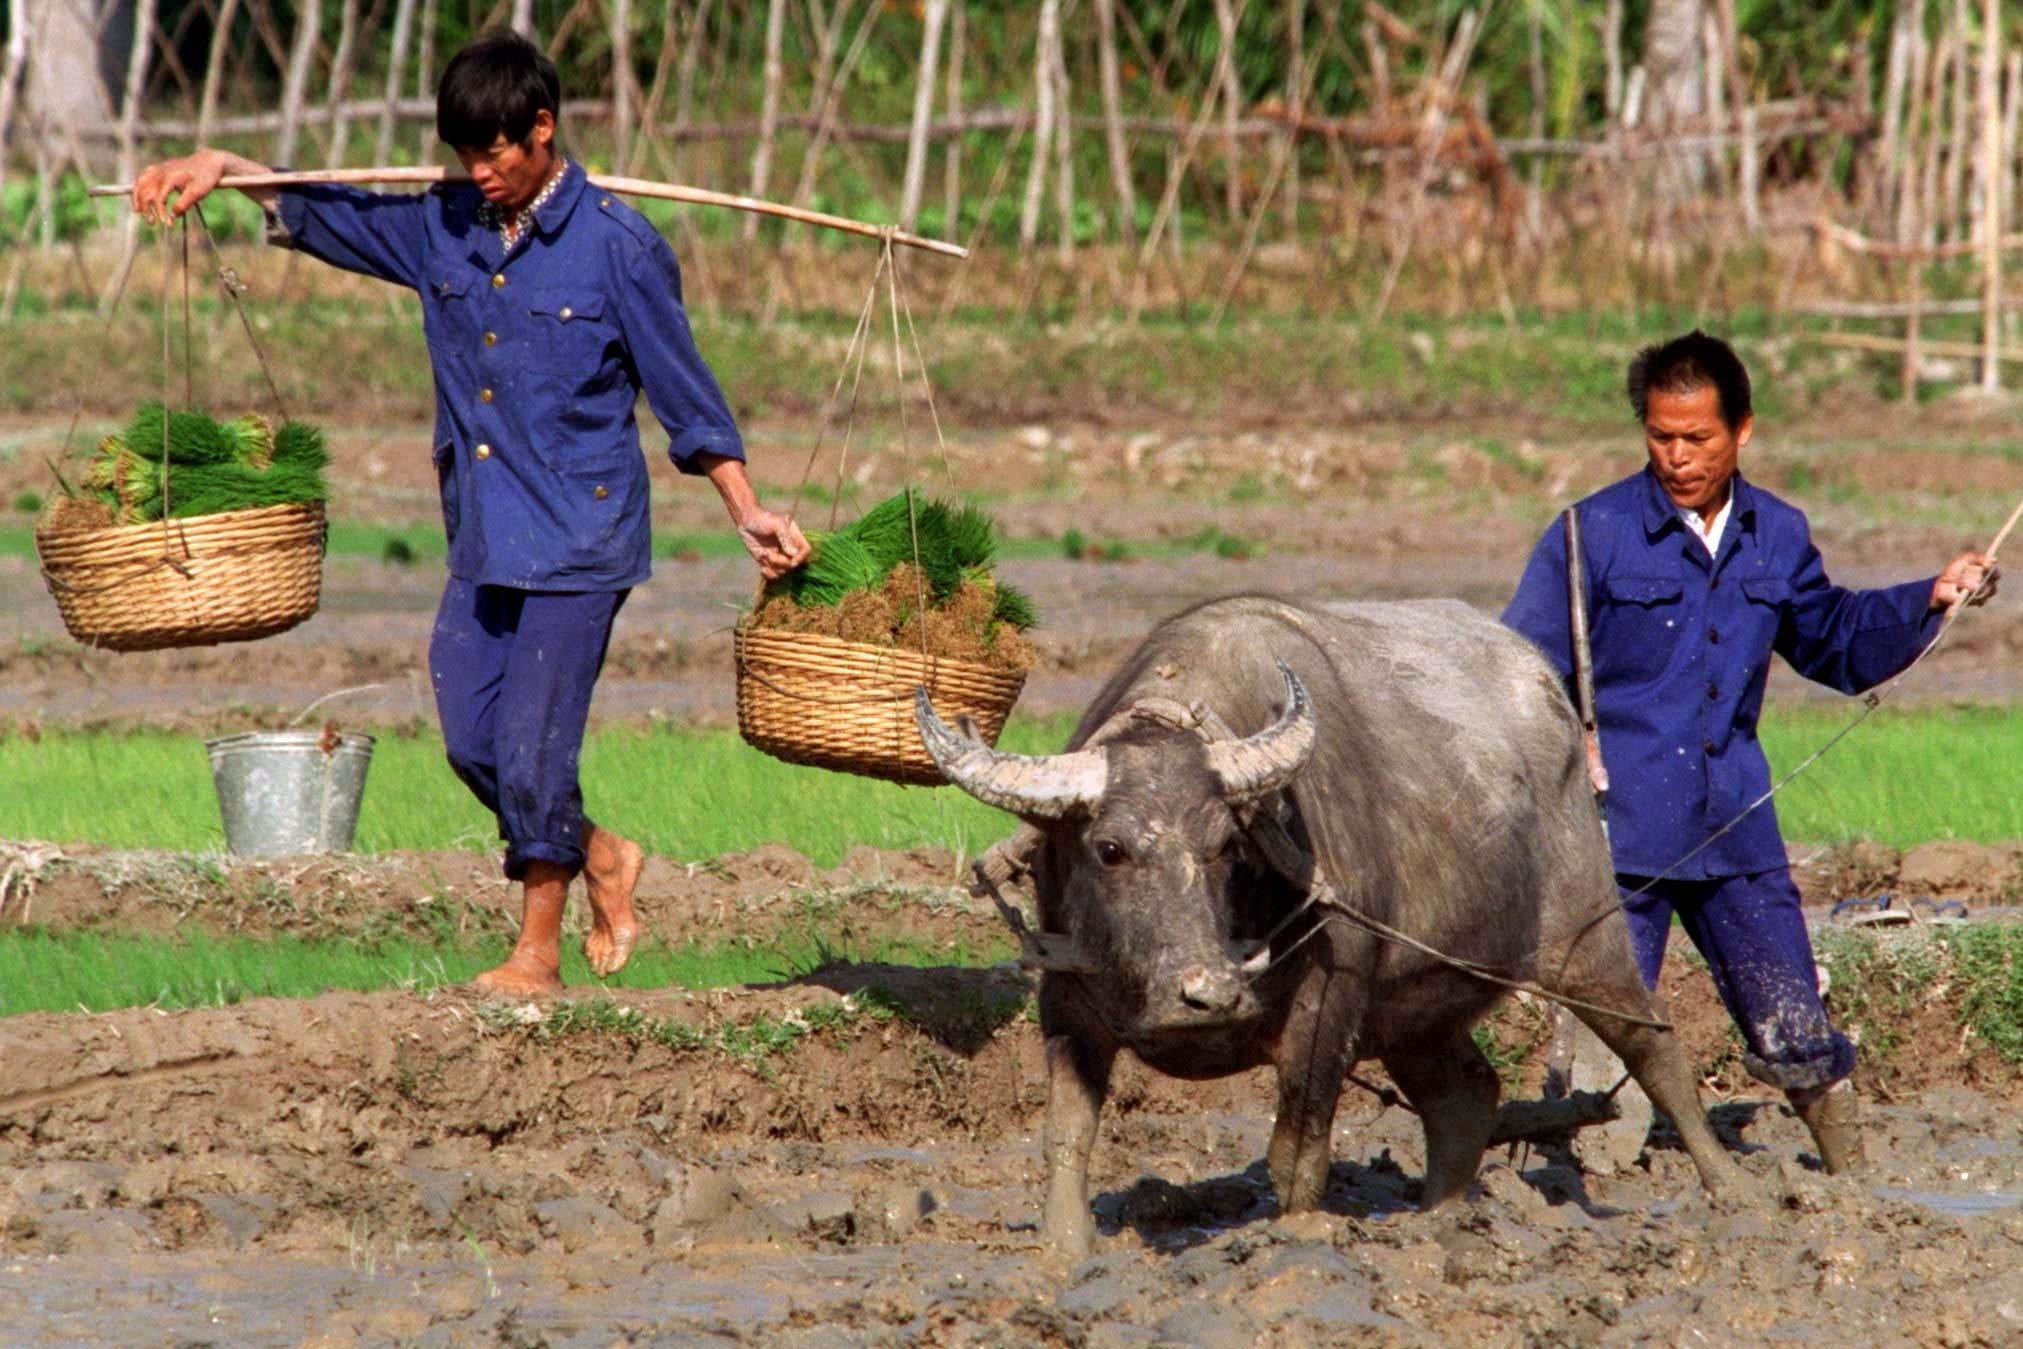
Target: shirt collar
[[1660, 514], [553, 207]]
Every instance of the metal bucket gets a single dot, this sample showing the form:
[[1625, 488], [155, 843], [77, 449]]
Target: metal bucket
[[283, 793]]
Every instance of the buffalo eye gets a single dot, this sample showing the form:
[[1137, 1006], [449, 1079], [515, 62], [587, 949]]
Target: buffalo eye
[[1111, 853]]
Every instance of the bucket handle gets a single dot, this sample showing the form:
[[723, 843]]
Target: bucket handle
[[304, 713]]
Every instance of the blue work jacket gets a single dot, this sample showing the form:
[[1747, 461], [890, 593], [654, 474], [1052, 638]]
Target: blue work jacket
[[540, 355], [1681, 645]]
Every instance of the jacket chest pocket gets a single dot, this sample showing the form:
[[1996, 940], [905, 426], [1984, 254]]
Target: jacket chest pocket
[[572, 338], [1638, 626], [1767, 599], [449, 316]]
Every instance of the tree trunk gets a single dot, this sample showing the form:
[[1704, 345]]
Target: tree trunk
[[1675, 70]]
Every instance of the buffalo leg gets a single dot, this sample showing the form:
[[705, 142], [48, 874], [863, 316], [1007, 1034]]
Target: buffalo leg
[[1078, 1077], [1454, 1090], [1314, 1054], [1658, 1063]]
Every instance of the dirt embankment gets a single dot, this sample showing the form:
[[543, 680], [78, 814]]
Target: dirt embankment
[[433, 1170]]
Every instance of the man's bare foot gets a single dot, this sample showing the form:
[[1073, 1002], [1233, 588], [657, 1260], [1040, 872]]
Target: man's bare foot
[[611, 873], [522, 975]]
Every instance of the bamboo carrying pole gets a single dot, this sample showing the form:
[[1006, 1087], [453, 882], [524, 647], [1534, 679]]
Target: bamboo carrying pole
[[630, 187]]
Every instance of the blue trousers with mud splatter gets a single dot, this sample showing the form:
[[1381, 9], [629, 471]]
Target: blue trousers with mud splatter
[[513, 671], [1752, 933]]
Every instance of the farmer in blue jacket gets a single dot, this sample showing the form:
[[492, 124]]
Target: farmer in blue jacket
[[1694, 576], [549, 307]]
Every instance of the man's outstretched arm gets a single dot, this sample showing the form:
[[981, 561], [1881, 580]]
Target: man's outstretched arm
[[375, 234]]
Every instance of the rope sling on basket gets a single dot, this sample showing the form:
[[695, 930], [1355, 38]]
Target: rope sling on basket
[[229, 576], [834, 702]]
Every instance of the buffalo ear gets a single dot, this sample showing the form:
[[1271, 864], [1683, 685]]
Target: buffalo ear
[[1033, 787], [1263, 763]]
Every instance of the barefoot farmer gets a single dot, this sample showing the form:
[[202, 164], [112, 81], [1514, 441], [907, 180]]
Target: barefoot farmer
[[1694, 577], [549, 308]]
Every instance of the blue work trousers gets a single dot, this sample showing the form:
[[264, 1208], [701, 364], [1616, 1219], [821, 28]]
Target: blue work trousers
[[513, 671], [1752, 933]]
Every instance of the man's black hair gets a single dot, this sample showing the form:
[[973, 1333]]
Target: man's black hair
[[1684, 364], [494, 87]]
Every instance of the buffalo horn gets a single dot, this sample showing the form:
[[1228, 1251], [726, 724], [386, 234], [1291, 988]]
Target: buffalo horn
[[1030, 786], [1267, 761]]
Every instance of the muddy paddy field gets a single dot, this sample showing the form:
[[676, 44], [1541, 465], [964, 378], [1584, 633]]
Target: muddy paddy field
[[849, 1154]]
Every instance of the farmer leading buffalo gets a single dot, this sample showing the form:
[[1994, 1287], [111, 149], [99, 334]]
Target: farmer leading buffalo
[[1694, 576], [549, 307]]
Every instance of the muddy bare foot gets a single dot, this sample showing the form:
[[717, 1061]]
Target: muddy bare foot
[[610, 874], [522, 975]]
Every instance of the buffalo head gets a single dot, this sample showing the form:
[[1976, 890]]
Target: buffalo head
[[1143, 863]]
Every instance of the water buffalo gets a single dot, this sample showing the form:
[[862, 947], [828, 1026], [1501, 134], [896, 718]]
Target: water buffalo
[[1428, 766]]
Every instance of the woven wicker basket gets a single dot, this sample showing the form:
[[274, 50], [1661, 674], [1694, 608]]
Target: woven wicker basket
[[817, 700], [229, 577]]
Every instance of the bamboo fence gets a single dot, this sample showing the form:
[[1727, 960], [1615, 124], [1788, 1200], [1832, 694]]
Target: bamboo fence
[[1915, 179]]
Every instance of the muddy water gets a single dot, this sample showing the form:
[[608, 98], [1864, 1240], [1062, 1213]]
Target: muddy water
[[375, 1170]]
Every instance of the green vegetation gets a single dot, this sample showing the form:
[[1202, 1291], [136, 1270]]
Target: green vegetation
[[1908, 776], [687, 793], [43, 971], [183, 463], [1880, 980]]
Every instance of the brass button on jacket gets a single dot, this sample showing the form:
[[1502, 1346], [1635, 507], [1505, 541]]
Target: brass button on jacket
[[491, 339], [498, 279], [484, 395], [601, 492], [483, 451]]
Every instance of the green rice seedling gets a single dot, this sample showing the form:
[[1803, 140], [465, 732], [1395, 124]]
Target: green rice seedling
[[237, 487], [1014, 607], [187, 438], [840, 564], [301, 444]]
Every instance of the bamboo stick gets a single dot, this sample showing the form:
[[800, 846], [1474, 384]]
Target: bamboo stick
[[1232, 105], [340, 81], [914, 182], [2012, 133], [424, 76], [10, 78], [769, 109], [1991, 196], [634, 160], [684, 94], [396, 65], [1971, 351], [831, 101], [631, 187], [1043, 124], [129, 145], [1296, 83], [1064, 145], [1906, 170], [1879, 183], [1612, 58], [295, 89], [523, 17], [1953, 204], [621, 79], [1113, 122], [958, 38], [214, 70], [1534, 202]]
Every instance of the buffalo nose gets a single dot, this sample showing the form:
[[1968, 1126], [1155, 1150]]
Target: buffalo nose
[[1209, 990]]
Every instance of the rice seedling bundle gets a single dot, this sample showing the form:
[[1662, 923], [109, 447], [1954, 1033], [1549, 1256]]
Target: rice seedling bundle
[[866, 583], [182, 464]]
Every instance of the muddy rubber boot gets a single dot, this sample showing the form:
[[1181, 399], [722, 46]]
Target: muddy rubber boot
[[1833, 1114]]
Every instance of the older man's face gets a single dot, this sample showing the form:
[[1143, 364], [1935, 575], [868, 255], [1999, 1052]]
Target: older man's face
[[1692, 450]]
